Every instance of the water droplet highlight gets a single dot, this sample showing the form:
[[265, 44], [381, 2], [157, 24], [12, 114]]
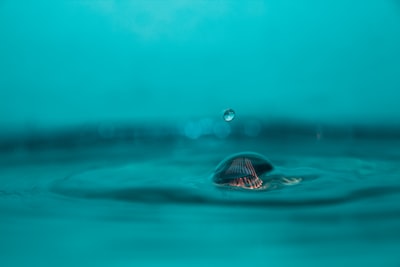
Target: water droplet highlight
[[242, 170], [229, 115]]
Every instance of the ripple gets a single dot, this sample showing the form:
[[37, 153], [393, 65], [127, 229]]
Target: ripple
[[190, 197], [131, 183]]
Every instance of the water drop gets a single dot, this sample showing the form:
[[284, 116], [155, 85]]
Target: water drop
[[229, 115], [242, 170]]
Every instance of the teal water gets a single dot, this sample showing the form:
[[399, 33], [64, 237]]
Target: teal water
[[154, 204], [111, 126]]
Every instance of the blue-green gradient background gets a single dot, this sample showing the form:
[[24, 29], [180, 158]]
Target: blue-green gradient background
[[73, 62]]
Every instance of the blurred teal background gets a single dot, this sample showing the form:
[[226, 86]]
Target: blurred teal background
[[73, 62]]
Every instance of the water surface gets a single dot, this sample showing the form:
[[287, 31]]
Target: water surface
[[154, 203]]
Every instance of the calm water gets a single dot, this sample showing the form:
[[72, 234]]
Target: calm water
[[153, 203]]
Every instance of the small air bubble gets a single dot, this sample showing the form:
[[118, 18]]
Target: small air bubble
[[229, 115]]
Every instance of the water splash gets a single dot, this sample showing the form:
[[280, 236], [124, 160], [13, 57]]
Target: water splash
[[248, 170]]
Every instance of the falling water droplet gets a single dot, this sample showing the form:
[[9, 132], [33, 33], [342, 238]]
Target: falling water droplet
[[229, 115]]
